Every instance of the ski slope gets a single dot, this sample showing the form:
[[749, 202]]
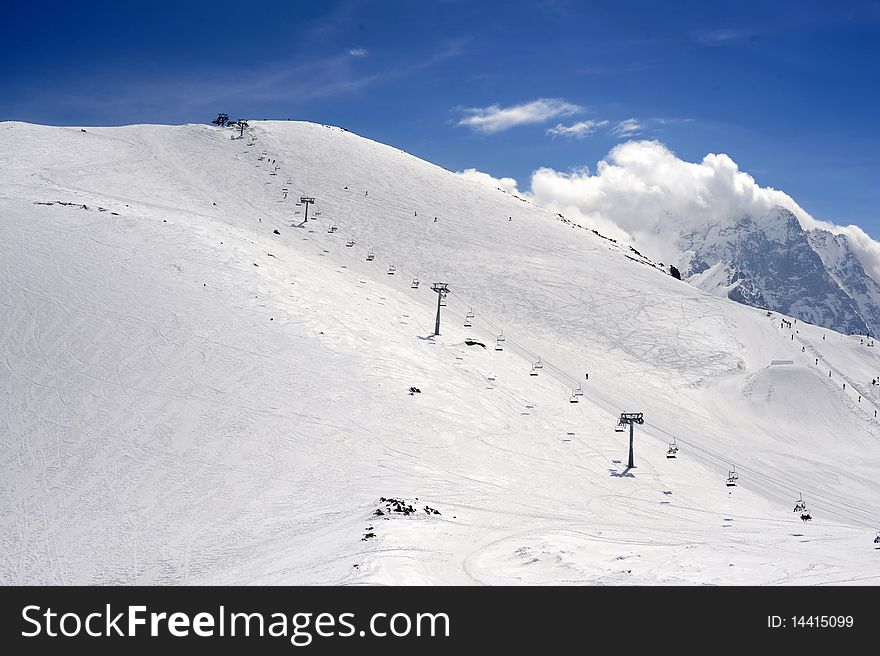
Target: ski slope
[[199, 387]]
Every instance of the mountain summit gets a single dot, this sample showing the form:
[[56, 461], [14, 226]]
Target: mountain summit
[[771, 262]]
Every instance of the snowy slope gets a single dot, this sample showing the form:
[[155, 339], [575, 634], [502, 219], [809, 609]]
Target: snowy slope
[[189, 397]]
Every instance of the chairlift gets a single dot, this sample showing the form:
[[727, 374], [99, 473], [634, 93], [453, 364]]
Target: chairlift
[[392, 269], [415, 283], [370, 256], [672, 451], [732, 477], [800, 505]]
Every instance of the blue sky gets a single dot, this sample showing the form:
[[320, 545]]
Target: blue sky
[[790, 90]]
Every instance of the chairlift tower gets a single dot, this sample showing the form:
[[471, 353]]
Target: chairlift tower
[[630, 418], [306, 200], [442, 288]]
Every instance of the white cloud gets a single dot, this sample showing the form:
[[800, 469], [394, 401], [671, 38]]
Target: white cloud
[[628, 128], [358, 52], [577, 130], [496, 118], [719, 37], [507, 184], [641, 186]]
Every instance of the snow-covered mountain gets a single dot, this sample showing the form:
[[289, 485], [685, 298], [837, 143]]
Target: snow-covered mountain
[[199, 386], [771, 262], [844, 267]]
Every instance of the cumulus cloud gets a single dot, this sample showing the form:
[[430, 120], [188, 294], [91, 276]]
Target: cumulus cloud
[[642, 193], [628, 128], [577, 130], [495, 118], [358, 52], [506, 184]]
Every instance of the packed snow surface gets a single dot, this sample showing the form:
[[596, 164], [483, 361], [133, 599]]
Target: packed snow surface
[[198, 386]]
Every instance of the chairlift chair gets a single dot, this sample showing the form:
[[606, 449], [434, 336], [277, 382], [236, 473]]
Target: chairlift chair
[[533, 371], [800, 505], [470, 314], [579, 391], [805, 515], [732, 477], [574, 397], [392, 269], [620, 426], [672, 452], [442, 300], [349, 243], [877, 539], [331, 229], [467, 322], [415, 283], [370, 256], [498, 346], [539, 364]]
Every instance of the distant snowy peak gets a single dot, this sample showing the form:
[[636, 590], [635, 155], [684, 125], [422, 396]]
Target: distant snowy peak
[[725, 280], [771, 262], [846, 270]]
